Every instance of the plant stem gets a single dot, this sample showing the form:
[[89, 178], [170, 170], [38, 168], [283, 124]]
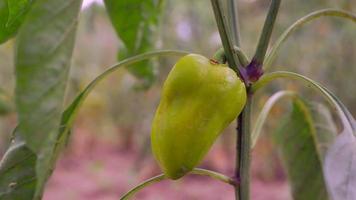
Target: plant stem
[[300, 23], [242, 170], [262, 117], [225, 36], [161, 177], [72, 110], [266, 32], [142, 185], [346, 118], [243, 147], [243, 59], [235, 30], [219, 56], [214, 175]]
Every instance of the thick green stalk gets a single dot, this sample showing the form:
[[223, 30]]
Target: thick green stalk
[[225, 36], [243, 130], [299, 24], [235, 55], [243, 159], [244, 133], [244, 60], [219, 56], [235, 29], [267, 31]]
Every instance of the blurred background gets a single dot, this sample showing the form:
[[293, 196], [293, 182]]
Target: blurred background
[[109, 151]]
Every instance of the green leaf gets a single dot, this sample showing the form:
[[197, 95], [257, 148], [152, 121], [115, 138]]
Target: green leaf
[[323, 122], [67, 120], [5, 107], [43, 54], [17, 10], [340, 167], [6, 104], [296, 138], [342, 112], [325, 127], [262, 116], [12, 15], [136, 24], [18, 173], [340, 161]]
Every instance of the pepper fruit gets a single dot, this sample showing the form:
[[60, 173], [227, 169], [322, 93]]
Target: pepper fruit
[[200, 98]]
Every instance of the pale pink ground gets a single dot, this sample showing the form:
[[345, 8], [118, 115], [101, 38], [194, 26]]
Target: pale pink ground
[[103, 172]]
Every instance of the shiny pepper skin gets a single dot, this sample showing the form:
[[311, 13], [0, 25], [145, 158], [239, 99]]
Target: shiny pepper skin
[[200, 98]]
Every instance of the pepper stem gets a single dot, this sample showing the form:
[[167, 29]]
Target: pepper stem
[[220, 56], [161, 177]]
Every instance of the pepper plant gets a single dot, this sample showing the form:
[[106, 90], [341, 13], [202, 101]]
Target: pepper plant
[[320, 162]]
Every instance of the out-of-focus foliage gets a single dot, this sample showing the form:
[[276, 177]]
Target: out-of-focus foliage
[[136, 23], [12, 15], [116, 113], [6, 104], [18, 175], [340, 166], [42, 61], [297, 138]]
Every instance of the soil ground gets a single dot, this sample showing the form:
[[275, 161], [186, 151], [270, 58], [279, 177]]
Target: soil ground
[[98, 171]]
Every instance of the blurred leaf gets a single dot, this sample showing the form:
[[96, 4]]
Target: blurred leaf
[[299, 24], [340, 160], [325, 127], [43, 54], [340, 166], [12, 15], [17, 9], [6, 105], [296, 138], [18, 173], [136, 23], [18, 150], [266, 110]]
